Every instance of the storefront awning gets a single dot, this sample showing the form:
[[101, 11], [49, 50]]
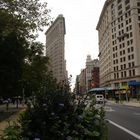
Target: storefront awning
[[133, 83], [96, 89], [124, 87]]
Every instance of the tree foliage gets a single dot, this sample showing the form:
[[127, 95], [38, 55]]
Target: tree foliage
[[19, 20]]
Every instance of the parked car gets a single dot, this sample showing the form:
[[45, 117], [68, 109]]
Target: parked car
[[99, 99]]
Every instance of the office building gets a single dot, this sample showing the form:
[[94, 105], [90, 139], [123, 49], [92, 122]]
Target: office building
[[119, 44], [90, 65], [55, 48]]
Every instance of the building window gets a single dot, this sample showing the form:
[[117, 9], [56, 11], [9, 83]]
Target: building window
[[130, 27], [132, 56], [128, 50], [127, 1], [133, 64], [127, 29], [122, 74], [124, 66], [125, 74], [114, 68], [138, 4], [128, 43], [121, 67], [129, 65], [119, 26], [127, 36], [119, 13], [123, 59], [128, 57], [116, 84], [123, 51], [113, 55], [126, 15], [112, 6], [119, 32], [119, 7], [129, 13], [119, 1], [133, 72], [113, 49], [132, 49], [113, 61], [138, 11], [130, 73], [127, 8], [131, 41], [114, 75], [120, 46], [131, 34], [117, 75]]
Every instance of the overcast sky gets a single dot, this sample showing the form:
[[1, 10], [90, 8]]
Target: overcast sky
[[81, 39]]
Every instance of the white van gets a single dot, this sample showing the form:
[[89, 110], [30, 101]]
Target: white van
[[99, 99]]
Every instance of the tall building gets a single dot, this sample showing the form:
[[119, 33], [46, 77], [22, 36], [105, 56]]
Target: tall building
[[89, 76], [90, 65], [119, 44], [95, 78], [82, 81], [55, 48]]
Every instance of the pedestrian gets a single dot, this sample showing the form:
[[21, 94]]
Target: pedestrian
[[7, 104], [117, 98]]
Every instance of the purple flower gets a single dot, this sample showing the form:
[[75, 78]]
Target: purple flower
[[61, 104], [68, 138]]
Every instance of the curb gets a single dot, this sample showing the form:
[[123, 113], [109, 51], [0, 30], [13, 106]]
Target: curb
[[136, 104], [4, 124]]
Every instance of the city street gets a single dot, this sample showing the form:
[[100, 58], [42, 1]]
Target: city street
[[123, 122]]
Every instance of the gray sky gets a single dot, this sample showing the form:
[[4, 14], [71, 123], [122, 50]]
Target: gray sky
[[81, 39]]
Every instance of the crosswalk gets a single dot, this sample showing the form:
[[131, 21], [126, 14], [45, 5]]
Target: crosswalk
[[108, 109]]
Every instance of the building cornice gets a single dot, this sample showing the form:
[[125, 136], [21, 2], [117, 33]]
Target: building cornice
[[54, 22], [107, 3]]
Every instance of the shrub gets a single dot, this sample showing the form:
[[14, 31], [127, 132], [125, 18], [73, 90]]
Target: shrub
[[62, 119]]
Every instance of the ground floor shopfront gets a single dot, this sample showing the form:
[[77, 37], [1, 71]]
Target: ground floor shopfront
[[134, 89], [131, 90]]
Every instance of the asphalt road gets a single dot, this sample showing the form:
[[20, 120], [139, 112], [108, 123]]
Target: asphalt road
[[123, 122]]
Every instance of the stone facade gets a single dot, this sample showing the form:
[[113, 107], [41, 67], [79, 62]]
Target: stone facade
[[55, 48], [119, 39]]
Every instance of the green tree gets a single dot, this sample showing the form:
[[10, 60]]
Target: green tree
[[18, 23], [12, 53], [35, 70]]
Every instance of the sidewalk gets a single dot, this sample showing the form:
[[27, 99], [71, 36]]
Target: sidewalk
[[5, 123], [130, 103]]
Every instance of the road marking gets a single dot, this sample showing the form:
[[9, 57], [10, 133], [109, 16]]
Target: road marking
[[138, 114], [109, 109], [124, 129]]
